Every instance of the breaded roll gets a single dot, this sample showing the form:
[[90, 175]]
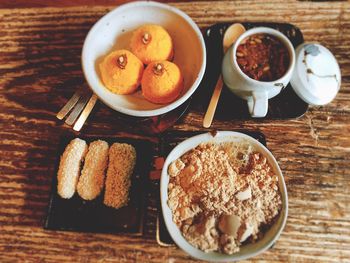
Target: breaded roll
[[69, 169], [92, 176], [122, 159]]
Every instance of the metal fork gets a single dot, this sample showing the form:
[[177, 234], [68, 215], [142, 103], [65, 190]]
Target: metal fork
[[81, 103]]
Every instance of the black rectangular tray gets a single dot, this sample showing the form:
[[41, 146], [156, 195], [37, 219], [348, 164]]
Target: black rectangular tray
[[76, 214], [285, 105], [170, 140]]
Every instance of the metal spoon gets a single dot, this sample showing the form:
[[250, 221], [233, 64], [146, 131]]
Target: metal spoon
[[230, 36]]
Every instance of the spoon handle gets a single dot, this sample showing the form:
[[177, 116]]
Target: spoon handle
[[208, 117]]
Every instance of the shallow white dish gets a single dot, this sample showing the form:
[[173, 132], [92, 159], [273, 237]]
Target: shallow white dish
[[246, 251], [113, 31]]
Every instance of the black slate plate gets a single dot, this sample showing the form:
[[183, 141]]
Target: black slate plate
[[78, 215], [170, 140], [286, 105]]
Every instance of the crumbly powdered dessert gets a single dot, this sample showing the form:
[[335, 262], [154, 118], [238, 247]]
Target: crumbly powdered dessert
[[222, 195], [122, 160]]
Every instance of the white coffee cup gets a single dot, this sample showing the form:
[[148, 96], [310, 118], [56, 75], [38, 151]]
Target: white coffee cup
[[255, 92]]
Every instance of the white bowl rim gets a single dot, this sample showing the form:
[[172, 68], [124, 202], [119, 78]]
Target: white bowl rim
[[168, 107], [206, 137]]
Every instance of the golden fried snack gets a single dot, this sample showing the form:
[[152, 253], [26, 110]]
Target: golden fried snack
[[121, 72], [69, 169], [122, 160], [92, 176], [162, 82], [151, 43]]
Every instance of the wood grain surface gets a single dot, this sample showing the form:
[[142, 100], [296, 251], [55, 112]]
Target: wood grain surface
[[40, 69]]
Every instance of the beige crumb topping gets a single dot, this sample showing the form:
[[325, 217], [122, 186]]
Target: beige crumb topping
[[215, 181], [92, 176], [122, 160]]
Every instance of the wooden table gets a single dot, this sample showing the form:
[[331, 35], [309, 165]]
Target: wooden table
[[40, 69]]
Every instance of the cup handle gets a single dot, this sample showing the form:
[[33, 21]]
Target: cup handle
[[257, 104]]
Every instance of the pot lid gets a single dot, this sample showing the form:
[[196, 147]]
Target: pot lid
[[316, 77]]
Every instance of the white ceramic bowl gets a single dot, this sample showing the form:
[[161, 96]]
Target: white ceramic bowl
[[113, 31], [246, 251]]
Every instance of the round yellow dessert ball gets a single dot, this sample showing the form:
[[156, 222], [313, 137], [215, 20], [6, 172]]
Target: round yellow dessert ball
[[162, 82], [151, 43], [121, 72]]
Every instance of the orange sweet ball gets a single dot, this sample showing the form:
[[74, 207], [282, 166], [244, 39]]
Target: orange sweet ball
[[151, 43], [121, 72], [162, 82]]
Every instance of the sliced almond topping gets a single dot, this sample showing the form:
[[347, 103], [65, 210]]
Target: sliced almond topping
[[146, 38], [246, 233], [122, 61], [246, 194], [229, 224], [158, 69], [266, 68]]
